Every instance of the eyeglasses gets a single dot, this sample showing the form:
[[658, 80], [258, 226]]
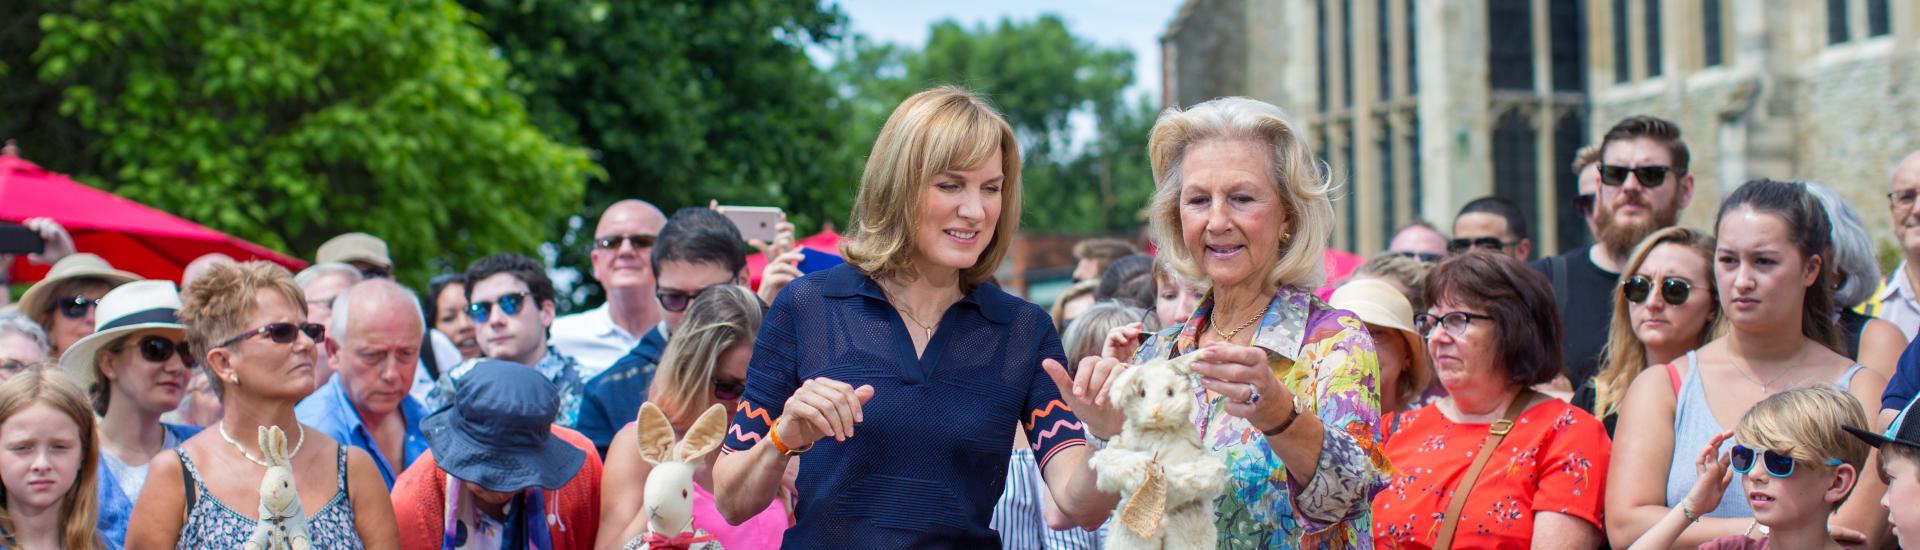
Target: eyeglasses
[[1461, 246], [1583, 203], [728, 390], [509, 304], [280, 333], [1649, 176], [159, 350], [1903, 199], [14, 366], [75, 307], [612, 242], [1777, 464], [676, 300], [1428, 257], [1672, 289], [1455, 323]]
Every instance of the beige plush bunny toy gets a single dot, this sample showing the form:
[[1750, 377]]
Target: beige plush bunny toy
[[669, 491], [283, 524], [1167, 481]]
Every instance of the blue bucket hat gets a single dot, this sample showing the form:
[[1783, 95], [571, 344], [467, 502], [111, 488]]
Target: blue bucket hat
[[498, 431]]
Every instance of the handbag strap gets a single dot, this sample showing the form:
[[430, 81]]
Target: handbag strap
[[1494, 434]]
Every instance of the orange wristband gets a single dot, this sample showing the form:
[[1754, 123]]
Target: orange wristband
[[773, 433]]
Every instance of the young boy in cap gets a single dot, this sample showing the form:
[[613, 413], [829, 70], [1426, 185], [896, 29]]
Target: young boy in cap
[[1900, 468]]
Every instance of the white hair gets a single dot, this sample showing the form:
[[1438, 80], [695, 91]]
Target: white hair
[[338, 322], [1853, 253], [316, 271], [17, 323]]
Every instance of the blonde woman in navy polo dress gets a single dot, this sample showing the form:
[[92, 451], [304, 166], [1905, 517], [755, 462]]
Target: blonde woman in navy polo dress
[[896, 379]]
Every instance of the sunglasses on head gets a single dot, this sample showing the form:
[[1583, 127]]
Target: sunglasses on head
[[1583, 204], [676, 300], [509, 304], [75, 307], [1776, 464], [1462, 245], [1649, 176], [280, 333], [728, 390], [1672, 289], [158, 350], [612, 242]]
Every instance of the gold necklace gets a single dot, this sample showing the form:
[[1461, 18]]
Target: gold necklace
[[1213, 321], [908, 314]]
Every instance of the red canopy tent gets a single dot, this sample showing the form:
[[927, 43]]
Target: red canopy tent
[[1339, 265], [131, 236]]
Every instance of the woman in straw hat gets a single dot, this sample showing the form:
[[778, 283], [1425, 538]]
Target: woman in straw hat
[[63, 302], [1404, 371]]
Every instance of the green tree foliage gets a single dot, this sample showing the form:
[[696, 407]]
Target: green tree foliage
[[1043, 79], [683, 101], [289, 122]]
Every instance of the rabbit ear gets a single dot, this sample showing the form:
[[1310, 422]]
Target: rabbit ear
[[266, 444], [1124, 386], [656, 434], [705, 435]]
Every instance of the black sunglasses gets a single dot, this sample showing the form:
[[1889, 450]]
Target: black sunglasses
[[677, 300], [612, 242], [1583, 204], [75, 307], [1776, 464], [1461, 246], [1672, 289], [280, 333], [1428, 257], [159, 350], [728, 390], [1649, 176], [510, 304]]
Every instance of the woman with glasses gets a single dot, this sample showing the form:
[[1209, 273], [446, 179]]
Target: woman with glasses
[[705, 364], [1775, 291], [63, 302], [137, 368], [247, 327], [1664, 307], [1494, 464]]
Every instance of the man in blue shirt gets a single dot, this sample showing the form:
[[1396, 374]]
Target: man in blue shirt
[[375, 350], [697, 249]]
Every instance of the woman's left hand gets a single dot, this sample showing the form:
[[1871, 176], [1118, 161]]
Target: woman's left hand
[[1239, 373]]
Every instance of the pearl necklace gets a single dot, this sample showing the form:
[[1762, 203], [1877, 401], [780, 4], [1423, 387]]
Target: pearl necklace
[[263, 463]]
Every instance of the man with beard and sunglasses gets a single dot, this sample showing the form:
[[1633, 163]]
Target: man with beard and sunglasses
[[510, 300], [1644, 184], [621, 244], [698, 248], [375, 349]]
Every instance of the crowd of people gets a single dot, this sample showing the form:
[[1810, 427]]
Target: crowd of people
[[1452, 392]]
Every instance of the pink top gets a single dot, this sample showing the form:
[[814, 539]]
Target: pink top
[[763, 530]]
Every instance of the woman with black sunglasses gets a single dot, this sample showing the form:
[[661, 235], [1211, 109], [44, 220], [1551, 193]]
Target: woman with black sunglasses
[[63, 302], [136, 368], [246, 325], [1775, 291], [1663, 308], [704, 364]]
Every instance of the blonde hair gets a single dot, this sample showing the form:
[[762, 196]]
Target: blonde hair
[[1088, 333], [720, 318], [1805, 424], [1623, 356], [1075, 292], [215, 307], [80, 507], [1297, 175], [945, 128]]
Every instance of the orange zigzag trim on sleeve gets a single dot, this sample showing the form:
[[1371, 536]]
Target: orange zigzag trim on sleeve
[[1039, 413], [753, 412], [1049, 433]]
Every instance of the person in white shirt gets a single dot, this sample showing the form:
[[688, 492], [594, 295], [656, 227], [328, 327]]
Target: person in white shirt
[[622, 243], [1895, 301]]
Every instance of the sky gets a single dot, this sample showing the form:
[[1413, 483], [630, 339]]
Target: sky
[[1133, 24]]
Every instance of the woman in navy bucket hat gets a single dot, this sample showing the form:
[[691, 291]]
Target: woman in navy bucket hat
[[500, 473]]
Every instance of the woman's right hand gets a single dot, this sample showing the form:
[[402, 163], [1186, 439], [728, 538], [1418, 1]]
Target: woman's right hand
[[822, 408], [1085, 391], [1715, 475], [1123, 342]]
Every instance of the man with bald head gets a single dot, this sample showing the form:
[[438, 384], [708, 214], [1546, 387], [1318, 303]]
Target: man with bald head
[[1896, 301], [376, 328], [621, 244], [199, 266]]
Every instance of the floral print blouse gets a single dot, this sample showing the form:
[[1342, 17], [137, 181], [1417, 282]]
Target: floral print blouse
[[1325, 357]]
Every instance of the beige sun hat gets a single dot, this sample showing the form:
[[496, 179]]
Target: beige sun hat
[[135, 306], [1379, 303], [354, 247], [76, 266]]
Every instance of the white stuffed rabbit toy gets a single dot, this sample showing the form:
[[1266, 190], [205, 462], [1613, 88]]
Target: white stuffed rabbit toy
[[1167, 481], [283, 524], [669, 491]]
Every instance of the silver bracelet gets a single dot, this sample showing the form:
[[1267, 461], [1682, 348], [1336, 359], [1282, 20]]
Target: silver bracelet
[[1094, 441]]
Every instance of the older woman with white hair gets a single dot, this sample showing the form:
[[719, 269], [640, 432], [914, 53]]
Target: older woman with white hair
[[1872, 342], [23, 344], [1288, 396]]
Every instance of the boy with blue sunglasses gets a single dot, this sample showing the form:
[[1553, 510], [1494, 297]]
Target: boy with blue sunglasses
[[1796, 466]]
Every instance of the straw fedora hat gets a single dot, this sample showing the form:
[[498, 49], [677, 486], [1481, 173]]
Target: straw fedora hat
[[128, 308], [1378, 303], [77, 266]]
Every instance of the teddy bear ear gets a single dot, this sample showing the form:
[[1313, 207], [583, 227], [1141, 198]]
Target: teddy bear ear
[[1124, 386]]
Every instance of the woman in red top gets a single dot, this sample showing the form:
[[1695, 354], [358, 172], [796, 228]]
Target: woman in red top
[[1493, 331]]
